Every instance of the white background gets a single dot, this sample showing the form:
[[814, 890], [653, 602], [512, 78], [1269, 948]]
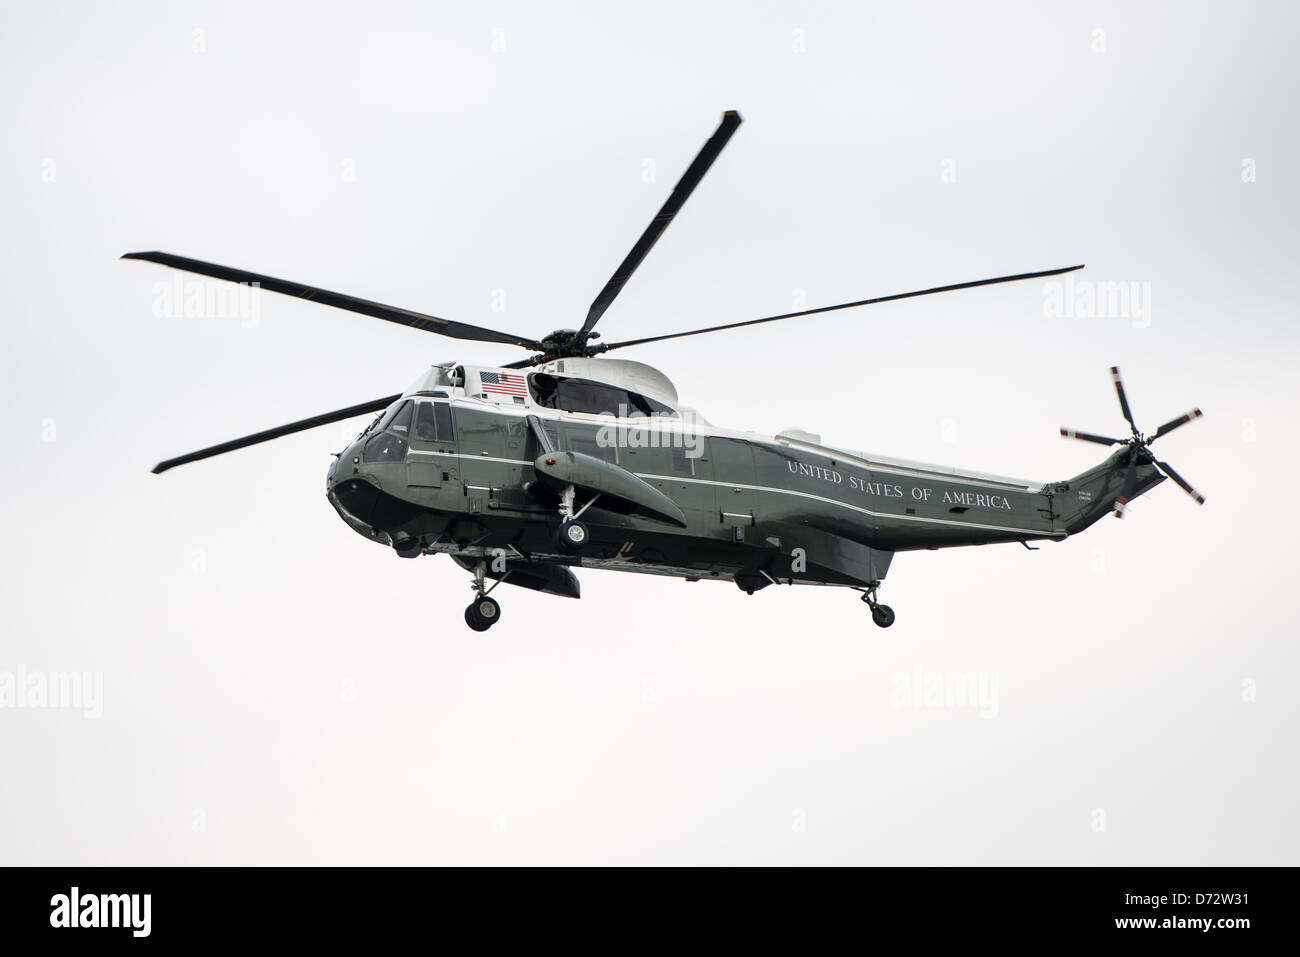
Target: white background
[[278, 690]]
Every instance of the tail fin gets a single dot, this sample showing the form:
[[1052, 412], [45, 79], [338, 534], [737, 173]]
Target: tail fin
[[1086, 498]]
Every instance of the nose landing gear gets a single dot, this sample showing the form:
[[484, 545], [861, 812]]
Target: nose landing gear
[[882, 615]]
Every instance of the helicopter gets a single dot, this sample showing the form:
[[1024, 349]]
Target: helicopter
[[566, 459]]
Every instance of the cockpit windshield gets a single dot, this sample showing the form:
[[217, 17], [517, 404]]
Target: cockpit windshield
[[595, 398]]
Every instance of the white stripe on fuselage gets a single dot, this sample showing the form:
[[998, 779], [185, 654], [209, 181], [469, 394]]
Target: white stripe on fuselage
[[779, 491], [855, 508]]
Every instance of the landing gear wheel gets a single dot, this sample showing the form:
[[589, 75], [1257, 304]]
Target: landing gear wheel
[[882, 615], [571, 537], [482, 613]]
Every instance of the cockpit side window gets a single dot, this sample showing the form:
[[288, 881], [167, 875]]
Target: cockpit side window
[[401, 423], [433, 422], [426, 430], [392, 414]]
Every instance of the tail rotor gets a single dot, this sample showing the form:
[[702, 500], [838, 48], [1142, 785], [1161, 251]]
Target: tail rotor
[[1138, 444]]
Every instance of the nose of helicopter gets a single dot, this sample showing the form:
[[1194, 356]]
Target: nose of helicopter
[[347, 490], [343, 465], [354, 499], [360, 493]]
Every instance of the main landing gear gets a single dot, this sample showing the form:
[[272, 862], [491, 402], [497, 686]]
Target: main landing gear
[[882, 615], [572, 536], [483, 612]]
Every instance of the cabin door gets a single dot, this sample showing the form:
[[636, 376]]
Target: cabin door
[[431, 461], [737, 500]]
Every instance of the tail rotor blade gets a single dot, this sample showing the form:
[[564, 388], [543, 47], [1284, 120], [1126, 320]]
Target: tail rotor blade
[[1089, 437], [1123, 399], [1176, 423], [1182, 482]]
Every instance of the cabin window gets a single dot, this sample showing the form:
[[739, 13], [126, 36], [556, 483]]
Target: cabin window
[[644, 405], [384, 447], [593, 398], [591, 447], [683, 464]]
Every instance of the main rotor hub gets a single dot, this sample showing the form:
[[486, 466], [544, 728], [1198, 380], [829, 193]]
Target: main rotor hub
[[563, 343]]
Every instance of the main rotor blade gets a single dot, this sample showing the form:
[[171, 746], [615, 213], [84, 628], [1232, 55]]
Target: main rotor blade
[[1123, 400], [1089, 437], [405, 317], [1168, 470], [1130, 483], [843, 305], [1175, 423], [299, 426], [681, 192]]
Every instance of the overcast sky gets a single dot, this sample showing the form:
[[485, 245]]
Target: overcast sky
[[275, 689]]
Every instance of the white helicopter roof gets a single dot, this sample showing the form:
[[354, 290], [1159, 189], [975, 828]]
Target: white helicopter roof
[[624, 373]]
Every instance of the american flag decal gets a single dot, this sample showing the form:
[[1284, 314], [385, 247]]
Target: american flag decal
[[503, 383]]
